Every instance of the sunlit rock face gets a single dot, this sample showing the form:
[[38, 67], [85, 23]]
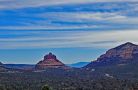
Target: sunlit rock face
[[50, 61], [125, 51], [122, 54]]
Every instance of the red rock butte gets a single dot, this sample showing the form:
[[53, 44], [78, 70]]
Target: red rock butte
[[50, 61]]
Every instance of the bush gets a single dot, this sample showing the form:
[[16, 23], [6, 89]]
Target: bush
[[46, 87]]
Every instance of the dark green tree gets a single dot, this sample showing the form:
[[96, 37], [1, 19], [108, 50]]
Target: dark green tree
[[46, 87]]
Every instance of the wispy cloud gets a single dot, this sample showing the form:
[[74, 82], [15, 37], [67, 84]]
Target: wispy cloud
[[62, 39], [93, 21], [67, 23], [107, 15], [16, 4]]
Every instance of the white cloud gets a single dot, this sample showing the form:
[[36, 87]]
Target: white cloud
[[107, 17], [60, 27], [16, 4], [83, 20], [64, 39], [27, 20]]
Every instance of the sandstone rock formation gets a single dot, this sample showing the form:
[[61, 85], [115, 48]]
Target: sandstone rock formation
[[50, 61], [119, 55]]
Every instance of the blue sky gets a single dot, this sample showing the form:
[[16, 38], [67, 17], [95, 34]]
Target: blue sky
[[75, 30]]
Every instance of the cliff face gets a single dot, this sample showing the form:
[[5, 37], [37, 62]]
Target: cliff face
[[1, 64], [2, 68], [122, 54], [49, 61]]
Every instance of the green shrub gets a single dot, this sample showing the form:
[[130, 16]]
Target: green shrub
[[46, 87]]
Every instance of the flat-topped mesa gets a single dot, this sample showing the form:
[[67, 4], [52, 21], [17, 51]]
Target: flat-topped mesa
[[121, 54], [49, 61]]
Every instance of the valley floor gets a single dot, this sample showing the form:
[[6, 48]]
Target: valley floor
[[64, 80]]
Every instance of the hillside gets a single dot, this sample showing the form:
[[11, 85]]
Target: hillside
[[121, 61]]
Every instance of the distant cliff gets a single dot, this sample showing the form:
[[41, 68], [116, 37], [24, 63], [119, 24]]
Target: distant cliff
[[120, 55]]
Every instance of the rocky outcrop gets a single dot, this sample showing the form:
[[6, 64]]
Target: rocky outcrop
[[2, 68], [50, 61], [1, 64], [122, 54]]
